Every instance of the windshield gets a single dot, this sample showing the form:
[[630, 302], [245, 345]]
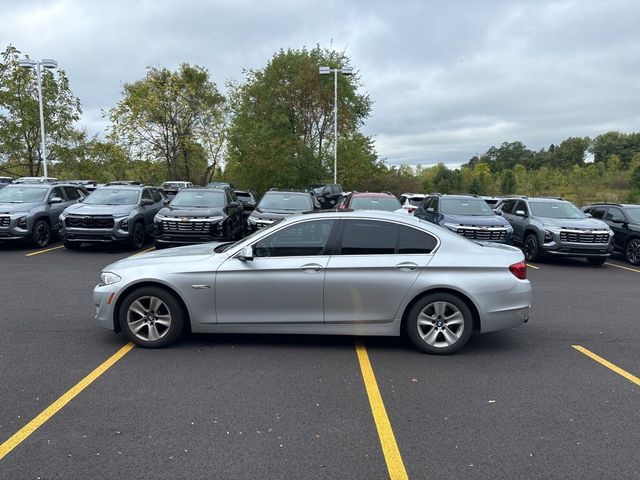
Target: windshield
[[474, 207], [13, 194], [199, 199], [113, 196], [385, 202], [555, 210], [295, 202], [634, 214]]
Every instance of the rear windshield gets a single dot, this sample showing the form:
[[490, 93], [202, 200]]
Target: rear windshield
[[555, 210], [17, 194], [113, 196], [376, 203], [415, 201], [243, 196], [190, 198], [286, 201], [474, 207]]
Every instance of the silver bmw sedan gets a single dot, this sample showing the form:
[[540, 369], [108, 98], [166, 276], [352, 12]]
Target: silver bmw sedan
[[338, 273]]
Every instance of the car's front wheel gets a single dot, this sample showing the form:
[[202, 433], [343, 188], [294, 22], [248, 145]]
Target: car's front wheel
[[632, 252], [439, 323], [41, 235], [531, 248], [136, 240], [151, 317]]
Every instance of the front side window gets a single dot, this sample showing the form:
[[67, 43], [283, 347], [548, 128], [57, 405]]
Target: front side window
[[146, 194], [520, 205], [369, 237], [72, 193], [507, 206], [300, 240], [56, 193], [614, 213], [596, 212], [156, 195]]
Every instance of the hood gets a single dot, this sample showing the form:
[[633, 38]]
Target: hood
[[589, 223], [274, 214], [177, 255], [84, 209], [481, 221], [191, 212], [16, 207]]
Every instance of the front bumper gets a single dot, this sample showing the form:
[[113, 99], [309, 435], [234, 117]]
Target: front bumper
[[177, 231], [559, 247], [105, 310], [9, 229]]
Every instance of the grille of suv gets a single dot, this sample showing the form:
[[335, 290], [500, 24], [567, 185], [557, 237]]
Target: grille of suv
[[487, 234], [89, 222], [185, 226], [573, 236], [4, 221]]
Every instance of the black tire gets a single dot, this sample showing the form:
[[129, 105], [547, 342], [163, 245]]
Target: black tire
[[41, 234], [419, 334], [596, 260], [632, 251], [136, 240], [531, 248], [170, 305], [72, 245]]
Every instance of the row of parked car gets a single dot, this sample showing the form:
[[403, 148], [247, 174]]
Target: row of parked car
[[180, 213]]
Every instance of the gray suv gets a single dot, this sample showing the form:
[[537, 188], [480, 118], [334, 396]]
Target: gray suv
[[113, 213], [30, 211], [557, 227]]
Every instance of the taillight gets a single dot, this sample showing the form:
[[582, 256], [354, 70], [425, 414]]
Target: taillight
[[519, 270]]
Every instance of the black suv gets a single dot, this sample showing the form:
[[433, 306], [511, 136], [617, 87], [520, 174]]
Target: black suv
[[624, 220], [249, 200], [31, 211], [328, 195], [277, 204], [113, 213], [466, 215], [557, 227], [198, 215]]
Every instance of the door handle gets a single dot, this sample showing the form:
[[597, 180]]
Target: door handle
[[406, 266], [311, 267]]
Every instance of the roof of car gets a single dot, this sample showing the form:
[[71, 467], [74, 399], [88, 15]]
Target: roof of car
[[289, 192], [606, 204], [125, 186]]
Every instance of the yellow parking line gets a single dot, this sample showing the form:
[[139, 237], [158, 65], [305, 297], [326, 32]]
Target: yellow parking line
[[143, 251], [533, 266], [622, 267], [56, 406], [609, 365], [392, 457], [38, 252]]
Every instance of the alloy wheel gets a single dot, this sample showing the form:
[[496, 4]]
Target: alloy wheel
[[632, 251], [530, 248], [42, 234], [440, 324], [149, 318]]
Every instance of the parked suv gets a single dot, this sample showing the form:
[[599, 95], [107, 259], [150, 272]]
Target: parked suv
[[4, 181], [248, 199], [277, 204], [466, 215], [31, 211], [411, 201], [557, 227], [624, 221], [113, 213], [171, 188], [198, 215]]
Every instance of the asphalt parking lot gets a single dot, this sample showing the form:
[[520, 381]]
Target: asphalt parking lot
[[523, 403]]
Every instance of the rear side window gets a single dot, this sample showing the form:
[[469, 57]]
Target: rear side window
[[413, 241], [146, 194], [156, 195], [72, 193], [369, 237]]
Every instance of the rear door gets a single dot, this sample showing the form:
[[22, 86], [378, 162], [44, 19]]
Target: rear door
[[372, 268]]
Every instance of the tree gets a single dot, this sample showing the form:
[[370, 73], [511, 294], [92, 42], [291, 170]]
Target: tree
[[176, 117], [508, 183], [281, 134], [20, 137]]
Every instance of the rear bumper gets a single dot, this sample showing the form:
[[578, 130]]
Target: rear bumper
[[508, 309]]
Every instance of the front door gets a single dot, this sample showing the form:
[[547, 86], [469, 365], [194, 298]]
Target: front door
[[284, 281]]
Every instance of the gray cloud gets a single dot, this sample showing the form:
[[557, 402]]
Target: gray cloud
[[447, 80]]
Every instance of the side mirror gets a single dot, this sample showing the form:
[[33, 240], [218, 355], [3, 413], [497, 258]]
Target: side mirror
[[588, 215], [431, 210], [246, 254], [521, 213], [146, 202], [55, 200], [497, 212]]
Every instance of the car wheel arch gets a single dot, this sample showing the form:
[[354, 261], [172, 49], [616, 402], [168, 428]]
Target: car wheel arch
[[451, 291], [148, 283]]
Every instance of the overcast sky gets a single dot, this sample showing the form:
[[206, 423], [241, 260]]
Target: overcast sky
[[448, 79]]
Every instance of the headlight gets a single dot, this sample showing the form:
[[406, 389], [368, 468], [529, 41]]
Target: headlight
[[548, 236], [158, 218], [124, 224], [22, 222], [509, 228], [63, 216], [108, 278], [452, 226], [252, 220]]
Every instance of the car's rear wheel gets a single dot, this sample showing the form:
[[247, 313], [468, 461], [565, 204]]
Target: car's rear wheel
[[151, 317], [439, 323], [136, 241], [531, 248], [596, 260], [632, 252], [41, 235]]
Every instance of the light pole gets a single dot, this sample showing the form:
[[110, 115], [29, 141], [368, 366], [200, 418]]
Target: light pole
[[46, 63], [335, 71]]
